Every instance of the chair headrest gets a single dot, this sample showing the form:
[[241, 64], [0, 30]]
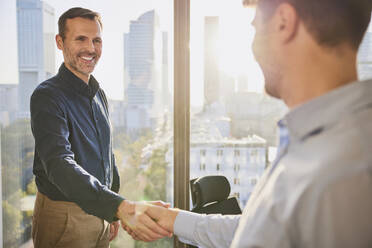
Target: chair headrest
[[209, 189]]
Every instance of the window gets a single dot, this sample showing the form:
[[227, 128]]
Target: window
[[253, 181], [139, 37], [229, 108]]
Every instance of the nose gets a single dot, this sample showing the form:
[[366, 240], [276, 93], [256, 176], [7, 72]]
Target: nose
[[90, 46]]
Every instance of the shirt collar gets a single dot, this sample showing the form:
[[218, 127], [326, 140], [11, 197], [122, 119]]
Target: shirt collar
[[315, 115], [71, 80]]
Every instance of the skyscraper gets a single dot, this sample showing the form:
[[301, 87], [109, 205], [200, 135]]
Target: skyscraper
[[166, 96], [211, 71], [143, 55], [8, 63], [36, 55], [8, 103]]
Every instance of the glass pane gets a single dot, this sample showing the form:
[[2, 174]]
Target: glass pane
[[365, 56], [136, 73], [233, 121]]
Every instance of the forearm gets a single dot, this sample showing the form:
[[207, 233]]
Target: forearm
[[206, 230], [82, 188]]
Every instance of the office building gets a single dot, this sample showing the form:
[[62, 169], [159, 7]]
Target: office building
[[36, 49], [241, 161], [211, 70], [146, 71], [8, 103]]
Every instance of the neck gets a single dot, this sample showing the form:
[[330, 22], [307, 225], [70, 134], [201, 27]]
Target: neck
[[319, 74], [82, 76]]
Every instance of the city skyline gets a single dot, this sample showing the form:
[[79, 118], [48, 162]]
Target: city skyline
[[110, 69]]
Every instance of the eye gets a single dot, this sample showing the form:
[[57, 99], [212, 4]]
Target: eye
[[80, 38], [98, 41]]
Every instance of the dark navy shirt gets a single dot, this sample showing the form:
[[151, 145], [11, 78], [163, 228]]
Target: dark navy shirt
[[73, 144]]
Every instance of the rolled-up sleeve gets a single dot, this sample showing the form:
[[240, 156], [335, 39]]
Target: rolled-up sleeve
[[51, 132], [206, 231]]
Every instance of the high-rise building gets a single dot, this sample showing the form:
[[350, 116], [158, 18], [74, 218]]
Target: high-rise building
[[116, 109], [365, 57], [166, 96], [36, 51], [143, 47], [8, 63], [211, 71], [144, 64], [8, 103]]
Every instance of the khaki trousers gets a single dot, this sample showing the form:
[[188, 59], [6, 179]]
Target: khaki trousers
[[65, 224]]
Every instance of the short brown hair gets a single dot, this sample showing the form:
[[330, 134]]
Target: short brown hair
[[73, 13], [331, 22]]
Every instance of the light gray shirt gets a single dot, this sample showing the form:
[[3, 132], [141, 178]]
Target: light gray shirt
[[318, 194]]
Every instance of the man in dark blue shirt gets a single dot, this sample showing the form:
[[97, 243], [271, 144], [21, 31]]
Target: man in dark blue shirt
[[76, 176]]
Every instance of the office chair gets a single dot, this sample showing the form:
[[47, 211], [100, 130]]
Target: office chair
[[210, 195]]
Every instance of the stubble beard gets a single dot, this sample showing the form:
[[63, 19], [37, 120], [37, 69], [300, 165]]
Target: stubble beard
[[74, 63]]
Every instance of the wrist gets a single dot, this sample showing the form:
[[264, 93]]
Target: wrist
[[125, 208], [172, 214]]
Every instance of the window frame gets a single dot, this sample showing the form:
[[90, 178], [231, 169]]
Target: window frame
[[181, 107]]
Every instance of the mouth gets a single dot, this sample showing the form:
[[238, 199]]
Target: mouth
[[88, 59]]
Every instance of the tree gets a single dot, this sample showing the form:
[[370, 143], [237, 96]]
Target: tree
[[17, 148], [140, 179], [156, 190]]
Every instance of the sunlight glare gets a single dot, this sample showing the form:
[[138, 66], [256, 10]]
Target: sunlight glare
[[234, 45]]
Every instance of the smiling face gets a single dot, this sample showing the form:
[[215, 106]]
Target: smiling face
[[82, 46]]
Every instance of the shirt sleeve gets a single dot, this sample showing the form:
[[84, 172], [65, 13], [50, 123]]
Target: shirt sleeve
[[116, 178], [206, 231], [51, 132]]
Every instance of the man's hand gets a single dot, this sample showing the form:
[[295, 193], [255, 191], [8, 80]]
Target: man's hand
[[137, 223], [165, 217], [114, 229]]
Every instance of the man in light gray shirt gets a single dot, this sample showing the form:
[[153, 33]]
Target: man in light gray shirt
[[318, 192]]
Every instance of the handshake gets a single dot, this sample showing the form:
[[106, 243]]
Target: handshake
[[147, 221]]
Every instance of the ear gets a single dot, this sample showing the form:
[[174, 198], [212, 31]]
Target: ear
[[286, 22], [59, 42]]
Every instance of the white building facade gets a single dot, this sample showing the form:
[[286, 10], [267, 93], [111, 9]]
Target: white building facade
[[241, 161]]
